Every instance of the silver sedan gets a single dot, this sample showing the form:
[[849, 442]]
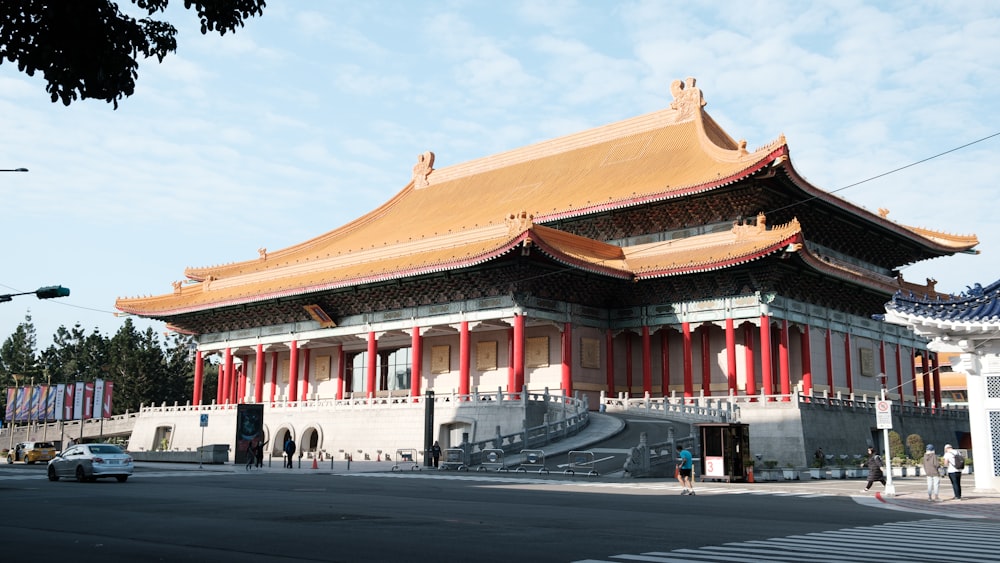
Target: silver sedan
[[87, 462]]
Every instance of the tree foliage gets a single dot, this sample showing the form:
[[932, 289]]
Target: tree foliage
[[90, 48], [144, 369]]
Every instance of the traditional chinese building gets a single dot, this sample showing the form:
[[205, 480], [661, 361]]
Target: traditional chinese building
[[657, 255], [969, 325]]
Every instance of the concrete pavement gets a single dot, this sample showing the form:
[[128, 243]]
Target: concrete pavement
[[910, 492]]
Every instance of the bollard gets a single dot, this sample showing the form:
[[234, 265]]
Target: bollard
[[349, 456]]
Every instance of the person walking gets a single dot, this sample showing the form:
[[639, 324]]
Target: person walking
[[932, 469], [289, 451], [685, 466], [436, 453], [875, 466], [954, 473]]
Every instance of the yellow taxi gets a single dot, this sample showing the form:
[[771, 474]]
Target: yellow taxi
[[30, 452]]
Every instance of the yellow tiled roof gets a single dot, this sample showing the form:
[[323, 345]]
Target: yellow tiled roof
[[471, 212]]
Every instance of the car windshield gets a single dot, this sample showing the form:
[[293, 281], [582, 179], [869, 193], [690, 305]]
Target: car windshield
[[105, 449]]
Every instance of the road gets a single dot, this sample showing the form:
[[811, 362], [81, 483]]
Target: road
[[192, 515]]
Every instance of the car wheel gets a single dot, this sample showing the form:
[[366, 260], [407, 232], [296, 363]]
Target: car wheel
[[10, 459], [52, 474], [121, 478], [28, 462], [81, 476]]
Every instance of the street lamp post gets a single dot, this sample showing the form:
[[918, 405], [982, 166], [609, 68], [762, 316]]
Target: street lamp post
[[47, 292]]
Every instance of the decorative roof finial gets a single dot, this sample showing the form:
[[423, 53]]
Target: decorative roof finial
[[687, 98], [422, 169]]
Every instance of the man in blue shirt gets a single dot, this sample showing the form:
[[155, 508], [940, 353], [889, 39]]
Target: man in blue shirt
[[685, 464]]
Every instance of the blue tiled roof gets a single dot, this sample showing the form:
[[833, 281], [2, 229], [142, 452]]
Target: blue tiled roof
[[978, 304]]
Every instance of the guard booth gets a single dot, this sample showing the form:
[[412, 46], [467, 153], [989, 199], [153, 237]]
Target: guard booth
[[725, 451]]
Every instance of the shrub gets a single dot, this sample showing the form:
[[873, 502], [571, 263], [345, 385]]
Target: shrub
[[895, 445], [915, 444]]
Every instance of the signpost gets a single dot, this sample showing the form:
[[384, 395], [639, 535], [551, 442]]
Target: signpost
[[883, 421], [201, 450]]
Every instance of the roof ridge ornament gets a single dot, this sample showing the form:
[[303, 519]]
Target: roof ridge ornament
[[517, 223], [422, 169], [687, 98]]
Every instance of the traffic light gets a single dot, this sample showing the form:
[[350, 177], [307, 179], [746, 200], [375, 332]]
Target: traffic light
[[52, 291]]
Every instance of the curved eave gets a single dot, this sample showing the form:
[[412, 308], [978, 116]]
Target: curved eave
[[173, 311], [594, 265], [940, 243], [720, 264], [932, 326], [864, 278]]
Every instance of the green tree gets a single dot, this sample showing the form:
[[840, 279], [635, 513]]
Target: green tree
[[896, 450], [18, 355], [915, 444], [89, 48], [76, 356], [144, 372]]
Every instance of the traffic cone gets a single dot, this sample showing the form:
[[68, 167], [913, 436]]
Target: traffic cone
[[750, 474], [315, 463]]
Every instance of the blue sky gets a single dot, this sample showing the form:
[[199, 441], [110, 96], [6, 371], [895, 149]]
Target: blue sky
[[315, 113]]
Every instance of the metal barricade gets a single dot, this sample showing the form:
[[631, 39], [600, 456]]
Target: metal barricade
[[455, 458], [406, 457], [492, 459], [533, 460], [581, 461]]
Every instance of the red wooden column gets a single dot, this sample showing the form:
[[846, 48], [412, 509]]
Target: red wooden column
[[610, 353], [227, 396], [519, 353], [807, 375], [304, 395], [241, 389], [751, 384], [628, 363], [936, 370], [511, 374], [220, 384], [688, 360], [848, 363], [647, 362], [416, 357], [199, 374], [925, 368], [913, 375], [234, 383], [293, 371], [372, 365], [258, 375], [730, 356], [665, 361], [784, 377], [706, 364], [829, 360], [567, 359], [274, 374], [766, 369], [463, 359], [341, 372]]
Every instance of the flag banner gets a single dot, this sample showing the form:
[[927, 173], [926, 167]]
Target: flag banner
[[69, 401], [11, 399], [50, 403], [88, 400], [60, 402], [78, 400], [32, 410], [21, 404], [109, 388], [98, 398]]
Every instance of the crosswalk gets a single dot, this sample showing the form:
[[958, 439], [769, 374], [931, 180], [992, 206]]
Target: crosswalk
[[923, 540]]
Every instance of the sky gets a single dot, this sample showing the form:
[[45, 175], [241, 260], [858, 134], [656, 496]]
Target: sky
[[314, 114]]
